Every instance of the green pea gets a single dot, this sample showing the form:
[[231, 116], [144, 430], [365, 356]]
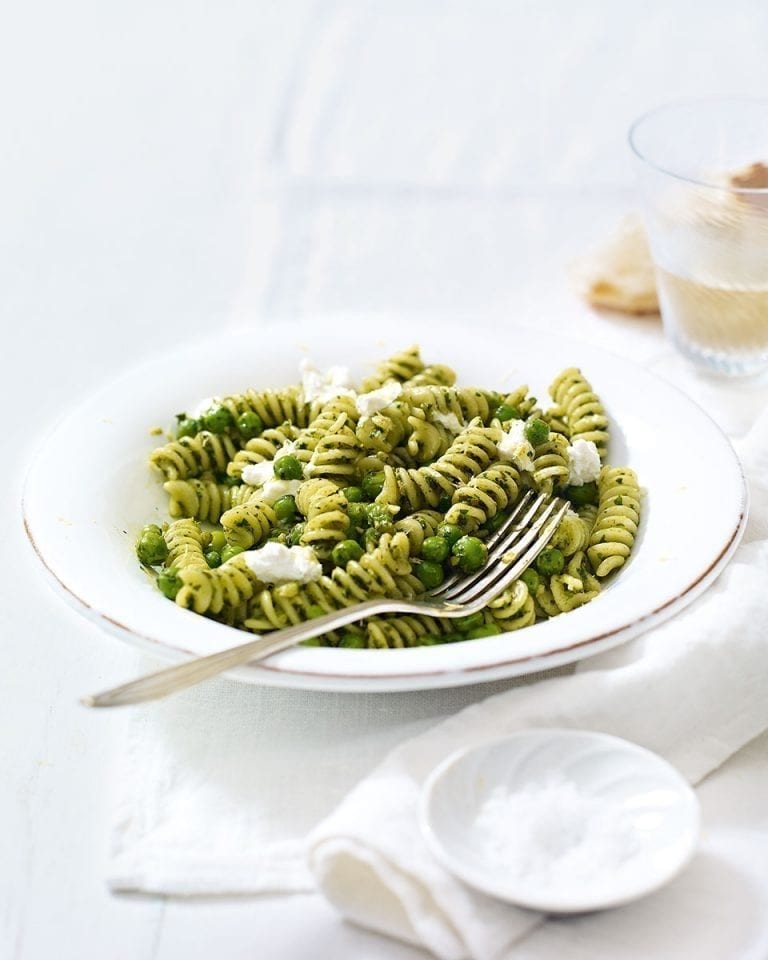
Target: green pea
[[536, 431], [379, 517], [168, 582], [151, 547], [285, 507], [249, 424], [288, 468], [218, 419], [311, 642], [550, 562], [496, 522], [373, 484], [229, 551], [471, 553], [506, 411], [531, 579], [345, 551], [435, 549], [358, 515], [449, 532], [295, 535], [430, 574], [487, 630], [188, 427], [444, 503], [582, 495], [218, 540], [354, 494], [314, 611], [212, 558], [353, 640], [471, 622]]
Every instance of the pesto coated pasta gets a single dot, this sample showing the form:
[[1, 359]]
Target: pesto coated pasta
[[287, 504]]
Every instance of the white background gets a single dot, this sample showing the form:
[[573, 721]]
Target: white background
[[171, 167]]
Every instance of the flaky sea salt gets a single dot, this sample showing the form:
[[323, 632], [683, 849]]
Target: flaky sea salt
[[554, 835]]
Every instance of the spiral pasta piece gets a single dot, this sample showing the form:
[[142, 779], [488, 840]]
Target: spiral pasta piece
[[204, 499], [186, 542], [484, 496], [550, 463], [471, 451], [335, 456], [403, 631], [572, 588], [583, 410], [337, 411], [249, 523], [514, 608], [191, 456], [400, 366], [384, 430], [428, 439], [386, 571], [325, 509], [435, 374], [572, 534], [418, 526], [465, 403], [618, 515], [223, 589], [272, 406]]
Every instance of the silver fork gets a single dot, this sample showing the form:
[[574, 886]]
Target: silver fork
[[511, 550]]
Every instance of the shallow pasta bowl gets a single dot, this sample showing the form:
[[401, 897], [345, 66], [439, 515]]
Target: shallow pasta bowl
[[84, 526]]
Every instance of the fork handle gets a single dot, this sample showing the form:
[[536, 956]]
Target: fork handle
[[187, 674]]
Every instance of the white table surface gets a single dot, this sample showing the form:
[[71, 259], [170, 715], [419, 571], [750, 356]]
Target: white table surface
[[169, 167]]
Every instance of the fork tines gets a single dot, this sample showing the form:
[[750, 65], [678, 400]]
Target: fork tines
[[511, 550]]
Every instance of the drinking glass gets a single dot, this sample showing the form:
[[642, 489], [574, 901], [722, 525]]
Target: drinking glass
[[703, 173]]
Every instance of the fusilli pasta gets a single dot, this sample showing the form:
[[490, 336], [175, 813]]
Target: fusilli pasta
[[352, 495]]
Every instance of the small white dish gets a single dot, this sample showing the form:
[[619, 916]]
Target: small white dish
[[562, 821]]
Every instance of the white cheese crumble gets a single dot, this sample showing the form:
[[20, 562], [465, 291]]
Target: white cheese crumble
[[276, 563], [274, 489], [375, 400], [515, 446], [257, 474], [584, 462], [316, 385], [448, 420]]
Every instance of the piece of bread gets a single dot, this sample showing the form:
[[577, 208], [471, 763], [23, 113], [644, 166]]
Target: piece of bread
[[619, 274]]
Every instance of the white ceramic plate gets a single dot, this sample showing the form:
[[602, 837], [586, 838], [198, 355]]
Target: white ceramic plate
[[89, 491], [582, 820]]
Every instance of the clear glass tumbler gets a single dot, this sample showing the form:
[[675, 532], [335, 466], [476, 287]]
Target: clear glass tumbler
[[703, 172]]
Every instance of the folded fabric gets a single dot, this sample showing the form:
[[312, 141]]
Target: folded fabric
[[220, 785], [693, 690]]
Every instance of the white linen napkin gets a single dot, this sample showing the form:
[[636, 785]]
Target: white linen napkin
[[693, 690], [220, 786]]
